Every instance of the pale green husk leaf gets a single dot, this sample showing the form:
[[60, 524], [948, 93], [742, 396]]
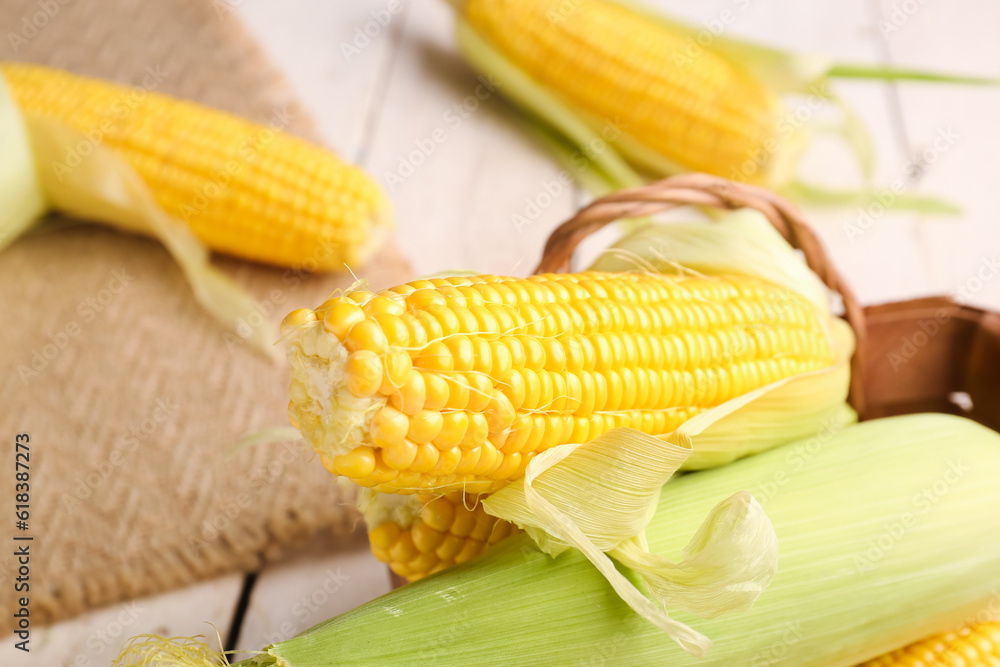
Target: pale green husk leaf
[[22, 202], [784, 411], [599, 497], [815, 195], [741, 242]]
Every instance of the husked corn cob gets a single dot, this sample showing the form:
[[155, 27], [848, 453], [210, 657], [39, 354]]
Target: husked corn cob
[[971, 646], [244, 189], [456, 383], [703, 113], [450, 529]]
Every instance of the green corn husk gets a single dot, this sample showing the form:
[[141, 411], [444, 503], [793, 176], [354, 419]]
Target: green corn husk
[[888, 533], [20, 189]]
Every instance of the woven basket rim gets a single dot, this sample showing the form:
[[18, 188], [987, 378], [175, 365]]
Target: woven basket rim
[[715, 192]]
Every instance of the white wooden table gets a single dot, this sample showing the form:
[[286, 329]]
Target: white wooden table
[[373, 101]]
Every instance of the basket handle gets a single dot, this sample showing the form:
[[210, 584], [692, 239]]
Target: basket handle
[[716, 192]]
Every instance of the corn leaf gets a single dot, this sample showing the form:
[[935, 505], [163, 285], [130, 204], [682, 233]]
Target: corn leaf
[[889, 73], [741, 242], [820, 196], [599, 497], [22, 202]]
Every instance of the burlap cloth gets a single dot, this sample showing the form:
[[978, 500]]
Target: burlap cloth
[[130, 393]]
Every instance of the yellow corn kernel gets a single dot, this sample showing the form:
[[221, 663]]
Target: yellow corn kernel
[[366, 335], [412, 395], [435, 357], [425, 426], [448, 461], [295, 319], [364, 373], [453, 428], [340, 316], [426, 458], [438, 391], [394, 328], [384, 304], [458, 392], [356, 464], [397, 367], [388, 427], [400, 456]]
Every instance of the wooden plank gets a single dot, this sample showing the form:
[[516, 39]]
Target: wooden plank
[[334, 56], [846, 31], [459, 168], [325, 579], [960, 37], [94, 639]]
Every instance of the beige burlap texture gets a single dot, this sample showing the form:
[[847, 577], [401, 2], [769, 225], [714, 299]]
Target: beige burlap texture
[[131, 394]]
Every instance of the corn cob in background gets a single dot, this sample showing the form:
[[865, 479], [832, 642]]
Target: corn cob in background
[[834, 602], [970, 646], [243, 189], [628, 88]]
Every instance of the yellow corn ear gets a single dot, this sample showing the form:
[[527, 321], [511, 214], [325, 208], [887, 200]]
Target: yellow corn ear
[[244, 189], [698, 110], [970, 646], [456, 383]]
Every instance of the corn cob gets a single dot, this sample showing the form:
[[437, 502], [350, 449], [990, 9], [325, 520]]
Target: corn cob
[[970, 646], [826, 607], [630, 93], [456, 383], [243, 189], [449, 529], [705, 114]]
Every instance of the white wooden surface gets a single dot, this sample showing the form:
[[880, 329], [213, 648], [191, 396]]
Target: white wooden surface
[[376, 106]]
